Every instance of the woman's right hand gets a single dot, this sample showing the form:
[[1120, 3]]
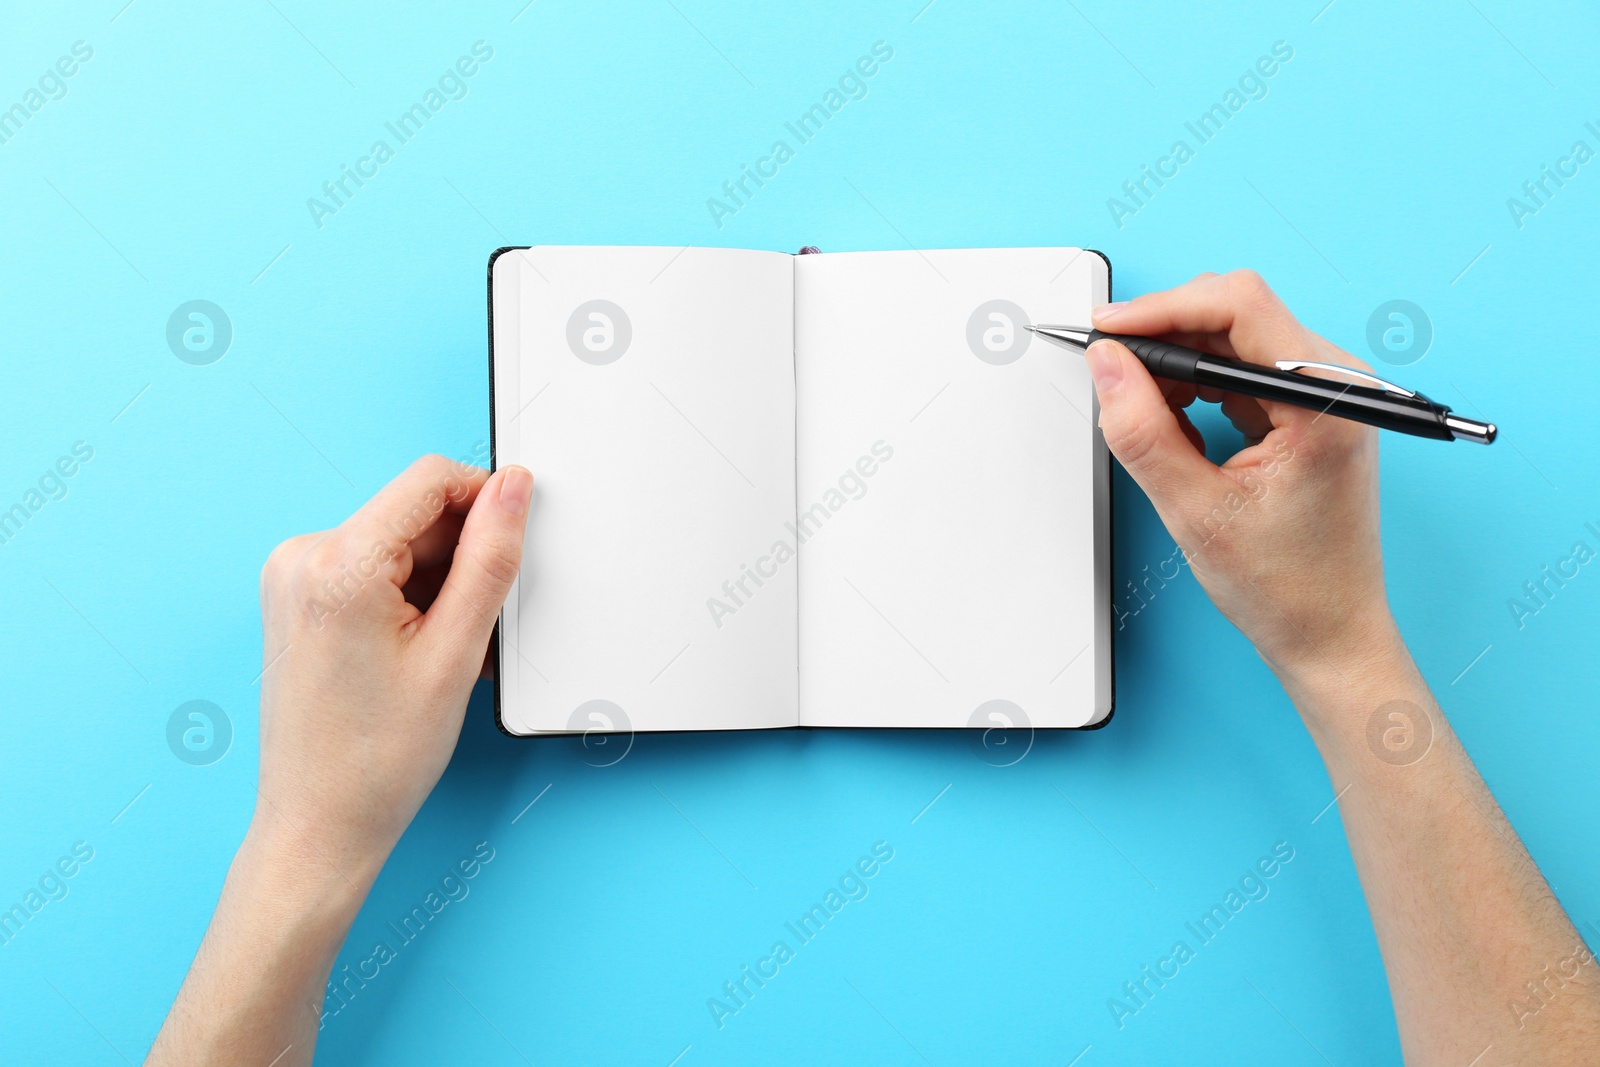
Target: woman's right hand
[[1283, 535]]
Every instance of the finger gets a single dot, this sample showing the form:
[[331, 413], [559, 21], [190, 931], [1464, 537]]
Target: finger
[[438, 543], [421, 589], [1239, 316], [1215, 343], [1233, 314], [283, 559], [1144, 433], [281, 564], [409, 506], [1178, 394], [404, 564], [1326, 351], [485, 564], [1190, 430], [1247, 416]]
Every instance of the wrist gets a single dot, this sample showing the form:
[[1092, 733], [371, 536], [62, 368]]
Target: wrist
[[305, 882], [1330, 660], [1341, 693]]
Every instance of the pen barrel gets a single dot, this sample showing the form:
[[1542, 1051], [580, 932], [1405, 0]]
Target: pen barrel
[[1415, 415], [1358, 403]]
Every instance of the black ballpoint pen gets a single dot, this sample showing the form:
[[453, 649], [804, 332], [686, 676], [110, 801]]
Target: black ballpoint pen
[[1369, 399]]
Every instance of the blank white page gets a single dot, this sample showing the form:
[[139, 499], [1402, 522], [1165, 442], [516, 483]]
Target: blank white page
[[972, 564], [660, 473]]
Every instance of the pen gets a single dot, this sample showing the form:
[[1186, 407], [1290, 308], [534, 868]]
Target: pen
[[1370, 400]]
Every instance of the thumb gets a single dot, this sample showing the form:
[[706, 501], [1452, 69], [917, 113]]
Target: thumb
[[1142, 431], [486, 562]]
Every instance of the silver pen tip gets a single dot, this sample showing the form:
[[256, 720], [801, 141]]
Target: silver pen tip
[[1075, 337]]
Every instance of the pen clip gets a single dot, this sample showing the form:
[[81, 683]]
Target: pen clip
[[1301, 364]]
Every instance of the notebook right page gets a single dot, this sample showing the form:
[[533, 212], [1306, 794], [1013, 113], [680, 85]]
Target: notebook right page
[[952, 491]]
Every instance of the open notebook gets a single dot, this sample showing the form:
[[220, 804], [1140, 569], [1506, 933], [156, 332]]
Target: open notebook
[[771, 490]]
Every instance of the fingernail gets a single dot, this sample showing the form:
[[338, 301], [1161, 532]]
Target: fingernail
[[1106, 311], [1105, 367], [516, 490]]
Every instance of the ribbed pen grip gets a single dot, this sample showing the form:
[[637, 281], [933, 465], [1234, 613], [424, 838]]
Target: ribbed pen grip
[[1161, 358]]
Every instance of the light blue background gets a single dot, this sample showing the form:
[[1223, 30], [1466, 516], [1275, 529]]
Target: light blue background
[[178, 166]]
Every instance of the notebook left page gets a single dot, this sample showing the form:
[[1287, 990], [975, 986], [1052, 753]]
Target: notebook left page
[[651, 393]]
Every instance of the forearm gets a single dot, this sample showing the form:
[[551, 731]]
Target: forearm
[[362, 699], [1478, 952], [254, 993]]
